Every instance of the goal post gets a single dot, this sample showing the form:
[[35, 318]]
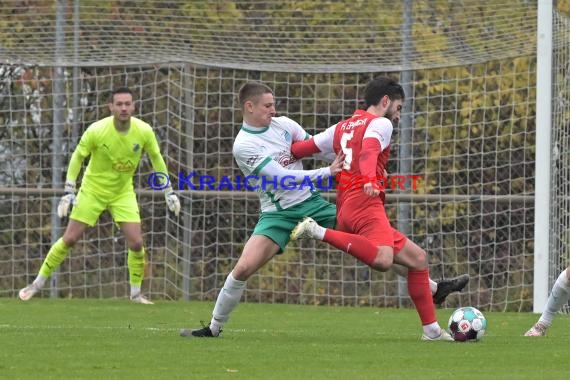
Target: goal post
[[471, 107], [559, 105], [542, 187]]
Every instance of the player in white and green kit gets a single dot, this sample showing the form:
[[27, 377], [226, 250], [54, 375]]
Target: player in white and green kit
[[265, 154], [262, 149], [115, 146]]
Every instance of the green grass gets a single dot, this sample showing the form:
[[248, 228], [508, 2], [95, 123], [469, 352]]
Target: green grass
[[114, 339]]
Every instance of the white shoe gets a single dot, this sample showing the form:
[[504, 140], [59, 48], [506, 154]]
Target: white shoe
[[538, 329], [444, 335], [28, 292], [139, 298], [305, 229]]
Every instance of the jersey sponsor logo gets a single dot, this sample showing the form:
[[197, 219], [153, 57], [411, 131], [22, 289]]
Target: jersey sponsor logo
[[285, 158], [353, 124], [123, 167]]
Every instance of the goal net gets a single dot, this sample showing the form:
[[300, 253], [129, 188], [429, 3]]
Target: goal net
[[467, 129]]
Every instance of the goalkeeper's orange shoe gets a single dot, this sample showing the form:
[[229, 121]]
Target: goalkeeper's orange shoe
[[28, 292]]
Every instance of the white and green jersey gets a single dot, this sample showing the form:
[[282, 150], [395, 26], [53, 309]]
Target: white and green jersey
[[264, 155]]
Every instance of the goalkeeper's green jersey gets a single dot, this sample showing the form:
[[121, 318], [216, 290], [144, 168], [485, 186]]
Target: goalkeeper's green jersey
[[114, 156]]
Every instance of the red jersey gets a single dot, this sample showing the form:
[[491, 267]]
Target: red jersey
[[348, 137]]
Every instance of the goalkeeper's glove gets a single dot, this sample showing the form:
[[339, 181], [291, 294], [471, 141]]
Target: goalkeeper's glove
[[67, 200], [172, 201]]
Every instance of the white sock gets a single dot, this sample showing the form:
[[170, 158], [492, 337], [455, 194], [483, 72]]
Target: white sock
[[319, 232], [40, 281], [215, 326], [227, 301], [432, 286], [433, 330], [558, 297], [135, 290]]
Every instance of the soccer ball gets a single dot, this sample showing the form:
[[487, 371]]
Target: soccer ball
[[467, 324]]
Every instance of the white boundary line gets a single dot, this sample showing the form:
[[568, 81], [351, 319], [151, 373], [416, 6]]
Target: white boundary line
[[127, 327]]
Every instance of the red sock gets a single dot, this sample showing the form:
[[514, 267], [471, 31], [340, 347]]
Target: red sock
[[354, 245], [420, 293]]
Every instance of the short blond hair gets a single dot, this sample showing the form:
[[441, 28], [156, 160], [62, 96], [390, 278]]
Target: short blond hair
[[251, 90]]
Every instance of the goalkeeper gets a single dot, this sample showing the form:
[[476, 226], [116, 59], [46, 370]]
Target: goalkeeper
[[115, 145]]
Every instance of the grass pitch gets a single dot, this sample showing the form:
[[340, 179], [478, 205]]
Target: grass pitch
[[115, 339]]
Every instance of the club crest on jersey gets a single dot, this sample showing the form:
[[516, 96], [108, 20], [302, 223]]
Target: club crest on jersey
[[121, 166], [136, 147], [285, 158], [287, 136]]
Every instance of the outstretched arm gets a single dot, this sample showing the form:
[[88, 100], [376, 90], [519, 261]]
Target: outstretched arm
[[272, 169], [254, 159], [321, 144], [306, 148]]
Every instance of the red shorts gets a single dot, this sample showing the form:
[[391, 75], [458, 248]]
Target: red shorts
[[366, 217]]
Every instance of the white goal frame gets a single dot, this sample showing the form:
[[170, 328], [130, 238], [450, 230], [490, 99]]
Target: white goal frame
[[542, 193], [482, 97]]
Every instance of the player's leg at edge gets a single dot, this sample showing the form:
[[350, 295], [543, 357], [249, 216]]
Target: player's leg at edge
[[558, 297]]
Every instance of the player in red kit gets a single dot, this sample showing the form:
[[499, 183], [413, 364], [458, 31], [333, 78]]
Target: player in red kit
[[363, 229]]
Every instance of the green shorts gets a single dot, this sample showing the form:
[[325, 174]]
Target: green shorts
[[123, 208], [278, 225]]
